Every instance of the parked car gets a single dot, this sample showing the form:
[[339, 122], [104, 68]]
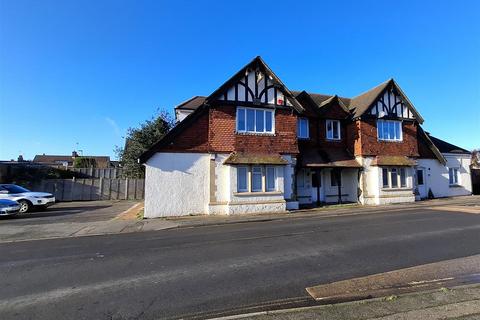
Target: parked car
[[9, 207], [27, 199]]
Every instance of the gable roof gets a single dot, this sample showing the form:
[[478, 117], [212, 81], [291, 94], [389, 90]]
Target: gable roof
[[425, 137], [445, 147], [192, 103], [361, 103], [257, 62], [318, 102]]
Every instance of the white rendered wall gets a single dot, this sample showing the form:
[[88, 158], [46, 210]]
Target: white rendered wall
[[176, 184], [182, 114], [373, 192], [437, 179], [348, 188]]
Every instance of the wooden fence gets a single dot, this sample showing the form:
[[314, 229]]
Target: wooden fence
[[92, 189], [109, 173]]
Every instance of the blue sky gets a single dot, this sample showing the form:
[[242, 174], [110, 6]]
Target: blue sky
[[84, 71]]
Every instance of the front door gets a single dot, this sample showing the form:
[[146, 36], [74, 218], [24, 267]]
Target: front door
[[421, 183], [317, 190]]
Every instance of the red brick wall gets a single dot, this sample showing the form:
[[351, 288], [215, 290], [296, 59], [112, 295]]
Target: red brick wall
[[424, 151], [224, 139], [193, 139], [367, 143]]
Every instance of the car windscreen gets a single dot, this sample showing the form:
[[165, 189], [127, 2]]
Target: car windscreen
[[11, 188]]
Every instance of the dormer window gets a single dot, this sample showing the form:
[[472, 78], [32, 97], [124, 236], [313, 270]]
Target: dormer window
[[302, 128], [254, 120], [389, 130], [333, 130]]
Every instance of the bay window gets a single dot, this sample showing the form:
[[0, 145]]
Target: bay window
[[256, 179], [389, 130], [394, 178], [302, 128], [254, 120], [333, 129]]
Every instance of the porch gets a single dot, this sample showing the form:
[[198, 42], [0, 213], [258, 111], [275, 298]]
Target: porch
[[323, 178]]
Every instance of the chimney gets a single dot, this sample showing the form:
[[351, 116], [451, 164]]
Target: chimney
[[74, 154], [20, 158]]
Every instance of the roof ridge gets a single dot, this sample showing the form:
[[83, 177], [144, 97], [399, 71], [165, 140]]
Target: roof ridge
[[378, 85]]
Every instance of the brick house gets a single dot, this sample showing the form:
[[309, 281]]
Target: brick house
[[255, 146]]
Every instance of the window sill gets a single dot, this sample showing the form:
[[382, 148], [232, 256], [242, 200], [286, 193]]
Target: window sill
[[260, 193], [255, 134], [303, 138], [455, 186], [394, 141], [333, 140], [397, 189]]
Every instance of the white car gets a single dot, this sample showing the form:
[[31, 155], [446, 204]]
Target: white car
[[8, 207], [26, 198]]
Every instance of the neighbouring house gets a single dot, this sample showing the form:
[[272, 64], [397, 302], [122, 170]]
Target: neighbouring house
[[67, 161], [255, 146]]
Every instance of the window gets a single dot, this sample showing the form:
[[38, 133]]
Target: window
[[255, 120], [270, 179], [256, 179], [385, 178], [258, 174], [333, 130], [420, 177], [302, 128], [403, 178], [453, 176], [242, 173], [389, 130], [334, 175], [394, 178]]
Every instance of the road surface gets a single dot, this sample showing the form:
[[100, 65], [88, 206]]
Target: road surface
[[217, 270]]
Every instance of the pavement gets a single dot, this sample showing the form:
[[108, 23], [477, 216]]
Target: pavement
[[81, 218], [459, 303], [222, 270]]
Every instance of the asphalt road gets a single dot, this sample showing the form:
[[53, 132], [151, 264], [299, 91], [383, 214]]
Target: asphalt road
[[217, 270]]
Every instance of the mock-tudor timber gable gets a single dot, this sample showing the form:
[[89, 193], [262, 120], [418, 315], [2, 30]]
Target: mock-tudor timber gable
[[239, 149]]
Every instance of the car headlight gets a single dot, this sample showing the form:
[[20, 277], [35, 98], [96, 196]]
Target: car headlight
[[39, 197]]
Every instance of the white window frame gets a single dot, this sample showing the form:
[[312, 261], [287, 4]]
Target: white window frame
[[330, 134], [246, 179], [252, 177], [300, 133], [380, 125], [398, 171], [453, 174], [255, 120], [267, 188]]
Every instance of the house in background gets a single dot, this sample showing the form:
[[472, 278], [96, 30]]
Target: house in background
[[67, 161], [255, 146]]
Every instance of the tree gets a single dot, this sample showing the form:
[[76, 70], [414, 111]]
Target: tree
[[476, 158], [84, 162], [138, 140]]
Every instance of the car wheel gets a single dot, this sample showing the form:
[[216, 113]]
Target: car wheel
[[25, 206]]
